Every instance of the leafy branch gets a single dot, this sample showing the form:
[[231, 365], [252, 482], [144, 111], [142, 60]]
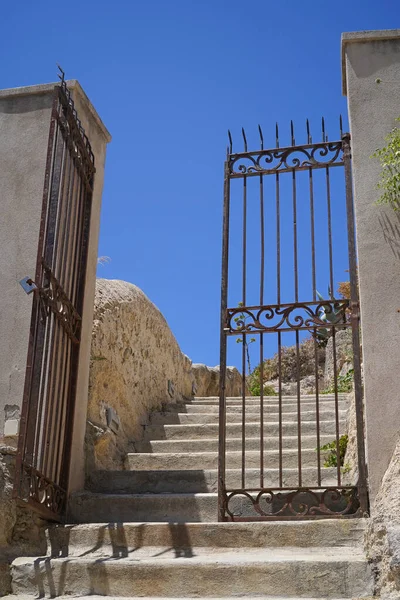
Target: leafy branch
[[389, 158]]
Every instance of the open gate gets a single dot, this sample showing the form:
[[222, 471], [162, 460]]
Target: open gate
[[44, 447], [288, 237]]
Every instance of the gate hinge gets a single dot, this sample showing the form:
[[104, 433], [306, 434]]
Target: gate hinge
[[28, 285]]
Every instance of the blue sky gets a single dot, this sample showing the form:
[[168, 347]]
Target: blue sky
[[168, 79]]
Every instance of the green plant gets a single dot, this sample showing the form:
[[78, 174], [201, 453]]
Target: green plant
[[331, 448], [389, 158], [290, 363], [254, 384], [346, 469], [344, 384], [269, 391]]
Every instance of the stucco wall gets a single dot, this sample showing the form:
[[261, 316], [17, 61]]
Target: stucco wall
[[371, 75], [24, 131]]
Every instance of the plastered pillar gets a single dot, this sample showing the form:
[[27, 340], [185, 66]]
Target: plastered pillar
[[24, 129], [371, 81]]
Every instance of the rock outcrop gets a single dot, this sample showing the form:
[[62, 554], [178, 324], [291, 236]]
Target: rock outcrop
[[136, 368], [383, 534], [344, 355], [21, 531], [207, 381]]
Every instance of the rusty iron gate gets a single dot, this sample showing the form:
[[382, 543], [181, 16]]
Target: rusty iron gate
[[44, 448], [288, 212]]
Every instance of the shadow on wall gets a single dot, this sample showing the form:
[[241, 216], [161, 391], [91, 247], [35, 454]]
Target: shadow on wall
[[391, 231]]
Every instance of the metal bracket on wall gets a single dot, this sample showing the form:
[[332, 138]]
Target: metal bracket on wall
[[28, 285]]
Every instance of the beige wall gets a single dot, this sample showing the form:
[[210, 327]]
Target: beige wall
[[24, 129], [373, 108]]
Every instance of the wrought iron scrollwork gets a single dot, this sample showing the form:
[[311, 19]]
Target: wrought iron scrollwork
[[296, 316], [37, 488], [314, 156], [55, 299], [301, 503]]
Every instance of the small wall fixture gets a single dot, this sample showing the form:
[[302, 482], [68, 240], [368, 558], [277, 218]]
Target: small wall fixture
[[171, 388]]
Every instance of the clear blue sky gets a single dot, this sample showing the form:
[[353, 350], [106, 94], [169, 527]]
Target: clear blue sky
[[168, 78]]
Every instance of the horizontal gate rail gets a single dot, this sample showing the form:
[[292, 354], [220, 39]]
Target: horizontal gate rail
[[44, 447], [289, 479]]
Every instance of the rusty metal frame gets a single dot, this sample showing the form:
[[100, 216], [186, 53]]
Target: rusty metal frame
[[290, 501], [46, 424]]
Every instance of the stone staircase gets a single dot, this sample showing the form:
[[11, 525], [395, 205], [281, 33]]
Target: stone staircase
[[151, 531], [173, 475]]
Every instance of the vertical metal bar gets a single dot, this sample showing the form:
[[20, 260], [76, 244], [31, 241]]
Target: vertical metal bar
[[317, 415], [83, 255], [243, 411], [280, 409], [298, 408], [56, 347], [40, 376], [62, 392], [262, 275], [223, 348], [312, 225], [72, 276], [330, 247], [61, 345], [337, 424], [278, 293], [295, 257], [355, 323], [51, 353], [28, 410], [244, 284], [296, 294], [66, 273], [314, 296]]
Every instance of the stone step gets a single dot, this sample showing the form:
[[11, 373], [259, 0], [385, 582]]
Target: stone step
[[106, 539], [340, 572], [201, 480], [96, 597], [234, 400], [210, 444], [207, 430], [202, 407], [209, 460], [87, 507], [169, 418]]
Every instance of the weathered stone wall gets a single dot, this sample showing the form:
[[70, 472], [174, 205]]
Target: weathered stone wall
[[21, 531], [207, 381], [344, 355], [350, 460], [136, 367], [383, 534], [133, 357]]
